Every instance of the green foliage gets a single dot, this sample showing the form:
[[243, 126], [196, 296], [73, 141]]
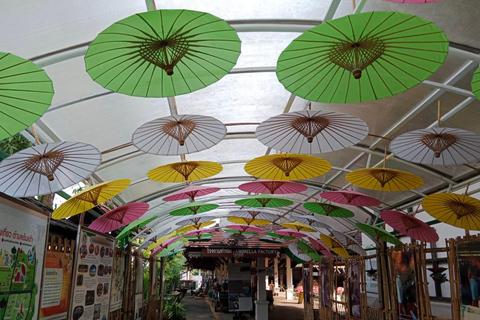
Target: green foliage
[[173, 268], [174, 310], [14, 144]]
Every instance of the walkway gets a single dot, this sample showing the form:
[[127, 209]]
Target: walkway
[[197, 309]]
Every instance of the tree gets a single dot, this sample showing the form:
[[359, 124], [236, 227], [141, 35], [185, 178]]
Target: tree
[[173, 267], [14, 144]]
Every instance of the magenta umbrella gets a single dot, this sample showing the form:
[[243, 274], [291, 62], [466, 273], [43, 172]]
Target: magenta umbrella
[[290, 233], [321, 247], [413, 1], [409, 226], [351, 197], [244, 228], [273, 187], [119, 217], [196, 233], [191, 192], [164, 245]]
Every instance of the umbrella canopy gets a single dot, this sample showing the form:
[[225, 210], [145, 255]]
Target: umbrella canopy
[[292, 256], [309, 251], [270, 239], [326, 209], [179, 134], [409, 226], [299, 253], [351, 197], [194, 208], [163, 53], [273, 187], [119, 217], [413, 1], [191, 192], [454, 209], [47, 168], [185, 171], [194, 220], [349, 242], [334, 245], [437, 146], [265, 201], [27, 92], [164, 245], [309, 221], [287, 167], [476, 83], [137, 224], [311, 131], [159, 242], [171, 249], [249, 221], [362, 57], [378, 233], [281, 237], [290, 233], [152, 236], [197, 233], [196, 226], [172, 253], [90, 197], [243, 228], [298, 226], [384, 179], [255, 214], [321, 247]]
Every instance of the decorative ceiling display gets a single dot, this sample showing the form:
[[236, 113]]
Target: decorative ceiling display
[[255, 214], [194, 220], [290, 233], [309, 221], [185, 171], [298, 252], [90, 197], [138, 224], [163, 53], [119, 217], [308, 250], [196, 226], [194, 208], [362, 57], [280, 237], [264, 201], [409, 226], [249, 221], [334, 245], [351, 197], [273, 187], [349, 242], [322, 248], [287, 167], [47, 168], [378, 233], [329, 210], [298, 226], [179, 134], [190, 193], [311, 131], [26, 93]]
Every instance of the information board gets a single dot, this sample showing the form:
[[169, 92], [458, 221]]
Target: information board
[[239, 287]]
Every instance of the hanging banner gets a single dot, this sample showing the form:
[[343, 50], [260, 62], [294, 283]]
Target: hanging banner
[[354, 290], [93, 275], [325, 284], [241, 253], [22, 248], [118, 280]]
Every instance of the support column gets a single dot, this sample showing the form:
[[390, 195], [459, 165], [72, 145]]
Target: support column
[[275, 272], [267, 283], [261, 310], [162, 287], [289, 292]]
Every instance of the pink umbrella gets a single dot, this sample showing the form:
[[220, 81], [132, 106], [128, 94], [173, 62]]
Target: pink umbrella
[[191, 192], [273, 187], [290, 233], [244, 228], [412, 1], [196, 233], [351, 197], [119, 217], [321, 247], [409, 226], [164, 245]]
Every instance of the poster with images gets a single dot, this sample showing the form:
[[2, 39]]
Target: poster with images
[[325, 284], [118, 281], [138, 306], [239, 287], [92, 278], [468, 256], [405, 284], [354, 290], [56, 285], [22, 248]]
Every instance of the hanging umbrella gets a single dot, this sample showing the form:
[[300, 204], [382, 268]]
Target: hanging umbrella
[[298, 226], [196, 226], [297, 252], [329, 210], [378, 233], [90, 197], [413, 1], [454, 209], [281, 237], [290, 233], [311, 131], [191, 192], [171, 249], [309, 251], [194, 220], [174, 252], [310, 221], [255, 214], [362, 57], [249, 221], [196, 233], [238, 234], [244, 228], [152, 236], [287, 167], [409, 226], [47, 168], [159, 242], [334, 245], [27, 92], [179, 134], [270, 239], [351, 197], [194, 208], [185, 171], [273, 187], [321, 247], [349, 242], [265, 201], [119, 217], [163, 53], [476, 83], [164, 245], [292, 256]]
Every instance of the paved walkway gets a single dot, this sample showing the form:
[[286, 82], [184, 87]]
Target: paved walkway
[[197, 309]]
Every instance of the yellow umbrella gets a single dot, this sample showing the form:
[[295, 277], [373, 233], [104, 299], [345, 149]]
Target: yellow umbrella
[[457, 210], [90, 197], [185, 171], [298, 226], [334, 245], [288, 166], [197, 226], [249, 221], [159, 242]]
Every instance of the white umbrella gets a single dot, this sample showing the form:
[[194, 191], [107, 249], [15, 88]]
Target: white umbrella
[[194, 220], [311, 221], [254, 214], [297, 252], [349, 242]]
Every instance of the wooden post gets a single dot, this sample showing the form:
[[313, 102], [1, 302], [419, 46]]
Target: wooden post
[[162, 288], [152, 296]]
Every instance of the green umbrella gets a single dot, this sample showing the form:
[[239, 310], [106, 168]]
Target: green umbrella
[[362, 57], [264, 200], [292, 256], [194, 208], [378, 233], [174, 252], [274, 235], [163, 53], [476, 84], [327, 209], [26, 92], [134, 225], [171, 248], [309, 251]]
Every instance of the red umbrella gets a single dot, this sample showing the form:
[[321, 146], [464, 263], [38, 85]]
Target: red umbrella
[[244, 228], [273, 187], [321, 247], [290, 233], [409, 226], [119, 217], [351, 197], [196, 233], [191, 192]]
